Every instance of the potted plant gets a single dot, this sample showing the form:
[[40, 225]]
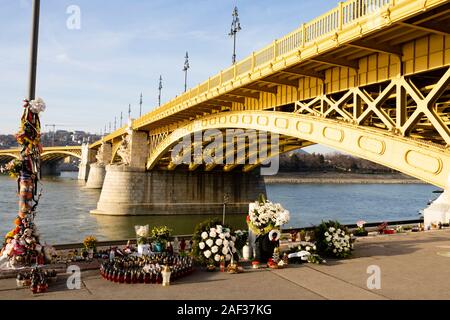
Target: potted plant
[[90, 243], [142, 235], [160, 235], [360, 231]]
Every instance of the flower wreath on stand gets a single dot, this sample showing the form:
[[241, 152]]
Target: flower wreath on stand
[[213, 242], [264, 220]]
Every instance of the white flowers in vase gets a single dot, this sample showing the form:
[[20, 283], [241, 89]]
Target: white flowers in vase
[[265, 215]]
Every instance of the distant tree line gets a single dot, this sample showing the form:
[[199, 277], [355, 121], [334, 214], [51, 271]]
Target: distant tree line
[[296, 161]]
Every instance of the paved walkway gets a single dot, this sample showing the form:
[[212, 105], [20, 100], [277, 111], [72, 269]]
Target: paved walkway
[[413, 266]]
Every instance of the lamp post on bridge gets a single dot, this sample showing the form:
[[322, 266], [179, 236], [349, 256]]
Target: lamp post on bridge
[[115, 123], [140, 105], [235, 28], [121, 118], [160, 88], [185, 69]]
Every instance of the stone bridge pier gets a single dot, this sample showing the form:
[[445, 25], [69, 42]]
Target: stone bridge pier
[[128, 189], [97, 170], [87, 157]]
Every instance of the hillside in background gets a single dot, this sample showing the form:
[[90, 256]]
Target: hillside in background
[[300, 161]]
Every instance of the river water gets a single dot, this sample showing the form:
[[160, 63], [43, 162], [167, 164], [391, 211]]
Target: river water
[[63, 215]]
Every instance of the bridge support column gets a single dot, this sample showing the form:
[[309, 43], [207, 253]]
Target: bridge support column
[[138, 150], [128, 191], [96, 176], [86, 160], [97, 170]]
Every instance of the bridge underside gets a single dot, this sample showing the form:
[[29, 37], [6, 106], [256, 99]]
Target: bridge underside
[[401, 123]]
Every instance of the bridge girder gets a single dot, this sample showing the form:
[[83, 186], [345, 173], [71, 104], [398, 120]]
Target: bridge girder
[[375, 124]]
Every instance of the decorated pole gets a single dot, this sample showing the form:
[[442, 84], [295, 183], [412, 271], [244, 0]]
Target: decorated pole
[[34, 49], [21, 246]]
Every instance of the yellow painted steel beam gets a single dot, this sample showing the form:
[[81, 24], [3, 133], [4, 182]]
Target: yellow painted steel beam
[[247, 94], [430, 163], [304, 73], [336, 62], [63, 152], [441, 30], [278, 81], [250, 167], [255, 87], [226, 98], [376, 47]]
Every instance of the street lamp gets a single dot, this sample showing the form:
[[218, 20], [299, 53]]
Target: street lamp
[[121, 118], [160, 88], [226, 198], [140, 106], [235, 28], [185, 69], [34, 50]]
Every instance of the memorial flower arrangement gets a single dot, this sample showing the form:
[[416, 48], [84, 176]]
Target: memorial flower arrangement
[[13, 168], [333, 240], [90, 242], [265, 215], [142, 234], [160, 234], [241, 239], [213, 242], [305, 252], [360, 231]]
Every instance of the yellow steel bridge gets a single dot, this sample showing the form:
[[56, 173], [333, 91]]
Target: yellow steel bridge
[[370, 77]]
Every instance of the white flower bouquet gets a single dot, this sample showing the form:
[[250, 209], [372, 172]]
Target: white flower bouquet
[[213, 242], [265, 215], [305, 252], [142, 234], [333, 239]]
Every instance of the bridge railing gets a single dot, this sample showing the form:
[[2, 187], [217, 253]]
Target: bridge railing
[[346, 13]]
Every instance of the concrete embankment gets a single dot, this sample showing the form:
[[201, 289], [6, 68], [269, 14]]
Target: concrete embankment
[[339, 178]]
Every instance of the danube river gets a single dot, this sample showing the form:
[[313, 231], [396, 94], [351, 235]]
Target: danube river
[[63, 215]]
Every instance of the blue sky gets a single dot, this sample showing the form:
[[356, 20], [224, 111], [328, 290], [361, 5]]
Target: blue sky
[[90, 75]]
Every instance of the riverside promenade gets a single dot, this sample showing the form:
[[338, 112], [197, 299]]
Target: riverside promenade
[[413, 266]]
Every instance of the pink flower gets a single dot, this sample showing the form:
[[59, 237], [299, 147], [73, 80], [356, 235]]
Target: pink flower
[[360, 223]]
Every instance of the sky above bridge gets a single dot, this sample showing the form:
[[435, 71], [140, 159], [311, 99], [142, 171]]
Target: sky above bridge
[[88, 75]]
